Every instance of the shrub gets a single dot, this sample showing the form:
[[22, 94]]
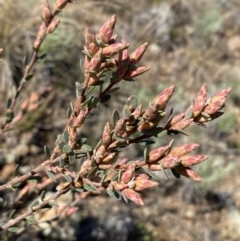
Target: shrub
[[100, 167]]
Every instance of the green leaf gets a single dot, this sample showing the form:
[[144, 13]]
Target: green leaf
[[9, 103], [114, 194], [31, 220], [28, 77], [175, 173], [79, 189], [35, 203], [16, 185], [126, 112], [35, 179], [51, 176], [86, 147], [71, 158], [146, 142], [105, 99], [66, 136], [86, 102], [1, 199], [78, 86], [54, 204], [81, 62], [67, 149], [42, 56], [13, 229], [176, 132], [16, 171], [90, 188], [10, 116], [61, 162], [68, 178], [94, 102], [115, 117], [11, 215], [92, 172], [132, 100], [152, 174], [113, 90], [47, 152], [42, 195], [69, 113], [46, 207]]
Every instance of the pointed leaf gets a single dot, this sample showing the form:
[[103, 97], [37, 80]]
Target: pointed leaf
[[51, 176], [47, 152]]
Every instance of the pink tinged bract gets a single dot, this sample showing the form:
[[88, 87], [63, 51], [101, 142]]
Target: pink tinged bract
[[133, 196], [193, 160], [183, 149]]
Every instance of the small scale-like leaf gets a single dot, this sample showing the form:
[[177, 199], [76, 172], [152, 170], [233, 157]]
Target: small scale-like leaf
[[46, 207], [16, 185], [81, 63], [35, 203], [28, 77], [90, 188], [152, 174], [105, 99], [47, 152], [176, 132], [16, 171], [1, 199], [79, 189], [13, 229], [67, 149], [11, 215], [10, 116], [69, 112], [35, 179], [42, 195], [51, 176]]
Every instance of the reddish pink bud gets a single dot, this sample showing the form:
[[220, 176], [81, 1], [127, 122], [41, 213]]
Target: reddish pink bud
[[217, 102], [40, 36], [188, 172], [175, 120], [137, 112], [202, 119], [128, 174], [96, 61], [53, 26], [142, 184], [193, 160], [142, 176], [60, 4], [153, 167], [89, 37], [120, 128], [181, 124], [114, 49], [106, 31], [133, 196], [151, 112], [118, 186], [134, 72], [109, 158], [106, 135], [169, 162], [156, 154], [200, 101], [47, 15], [122, 67], [162, 99], [136, 56], [146, 125], [183, 149]]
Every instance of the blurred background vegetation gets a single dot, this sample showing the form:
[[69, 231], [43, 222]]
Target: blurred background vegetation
[[190, 43]]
